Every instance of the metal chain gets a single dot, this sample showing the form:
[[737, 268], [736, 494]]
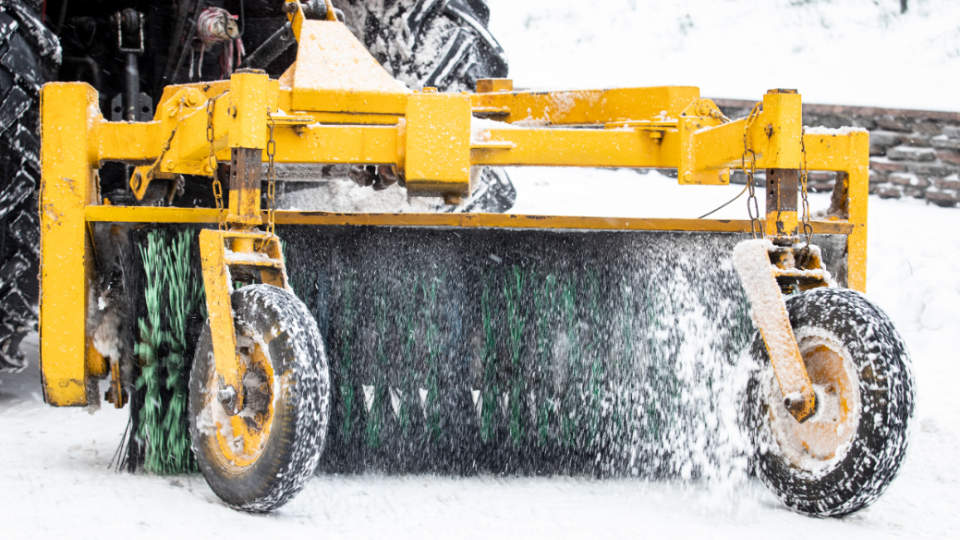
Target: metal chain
[[217, 186], [271, 177], [164, 150], [166, 145], [807, 228], [753, 208]]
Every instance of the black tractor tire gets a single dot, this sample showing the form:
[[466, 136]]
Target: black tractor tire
[[444, 44], [29, 56], [297, 425], [862, 468]]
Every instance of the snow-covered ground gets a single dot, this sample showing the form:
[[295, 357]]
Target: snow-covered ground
[[849, 52], [55, 479]]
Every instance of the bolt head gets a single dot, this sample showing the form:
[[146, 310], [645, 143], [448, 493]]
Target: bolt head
[[168, 165], [228, 398]]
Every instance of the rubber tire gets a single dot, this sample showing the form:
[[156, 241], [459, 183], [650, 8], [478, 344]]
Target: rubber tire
[[29, 56], [443, 44], [301, 414], [887, 403]]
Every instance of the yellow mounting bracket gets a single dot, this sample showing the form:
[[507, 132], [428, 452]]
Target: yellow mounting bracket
[[709, 144], [765, 270], [226, 257]]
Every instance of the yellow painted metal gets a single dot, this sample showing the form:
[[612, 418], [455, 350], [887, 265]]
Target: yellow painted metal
[[250, 100], [296, 17], [140, 214], [787, 221], [116, 394], [494, 85], [136, 143], [252, 430], [334, 72], [97, 365], [221, 251], [585, 107], [781, 122], [68, 152], [218, 286], [438, 144], [150, 214], [207, 89], [769, 310], [568, 147], [847, 151], [774, 137], [695, 117], [343, 117], [338, 144]]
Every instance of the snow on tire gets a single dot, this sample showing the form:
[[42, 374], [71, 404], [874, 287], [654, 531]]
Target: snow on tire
[[29, 56], [260, 458], [846, 456]]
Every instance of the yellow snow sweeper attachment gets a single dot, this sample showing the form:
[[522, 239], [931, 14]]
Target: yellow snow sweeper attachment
[[458, 342]]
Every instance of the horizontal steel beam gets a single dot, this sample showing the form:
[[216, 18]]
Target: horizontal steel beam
[[152, 214]]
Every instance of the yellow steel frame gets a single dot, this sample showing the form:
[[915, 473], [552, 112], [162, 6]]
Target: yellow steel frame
[[431, 138]]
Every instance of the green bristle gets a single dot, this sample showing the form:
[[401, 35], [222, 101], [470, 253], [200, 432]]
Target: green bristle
[[490, 389], [516, 321], [173, 292], [434, 341], [348, 337], [375, 417]]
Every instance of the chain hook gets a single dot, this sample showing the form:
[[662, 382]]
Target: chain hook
[[804, 175], [271, 176], [753, 208], [212, 160]]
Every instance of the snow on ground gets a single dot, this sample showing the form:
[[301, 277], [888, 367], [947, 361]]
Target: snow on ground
[[56, 478], [850, 52]]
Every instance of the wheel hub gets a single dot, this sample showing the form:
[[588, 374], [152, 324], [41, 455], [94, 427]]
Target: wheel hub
[[823, 439], [241, 437]]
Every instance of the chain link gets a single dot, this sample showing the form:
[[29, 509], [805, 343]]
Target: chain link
[[807, 228], [212, 160], [166, 144], [753, 208], [271, 177]]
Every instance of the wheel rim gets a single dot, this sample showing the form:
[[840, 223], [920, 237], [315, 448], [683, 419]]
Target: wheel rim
[[240, 439], [823, 440]]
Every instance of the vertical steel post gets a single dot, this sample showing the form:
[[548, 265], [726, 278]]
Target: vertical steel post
[[245, 175], [781, 208], [249, 92], [68, 153]]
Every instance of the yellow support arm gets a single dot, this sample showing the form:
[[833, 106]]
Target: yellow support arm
[[67, 187]]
